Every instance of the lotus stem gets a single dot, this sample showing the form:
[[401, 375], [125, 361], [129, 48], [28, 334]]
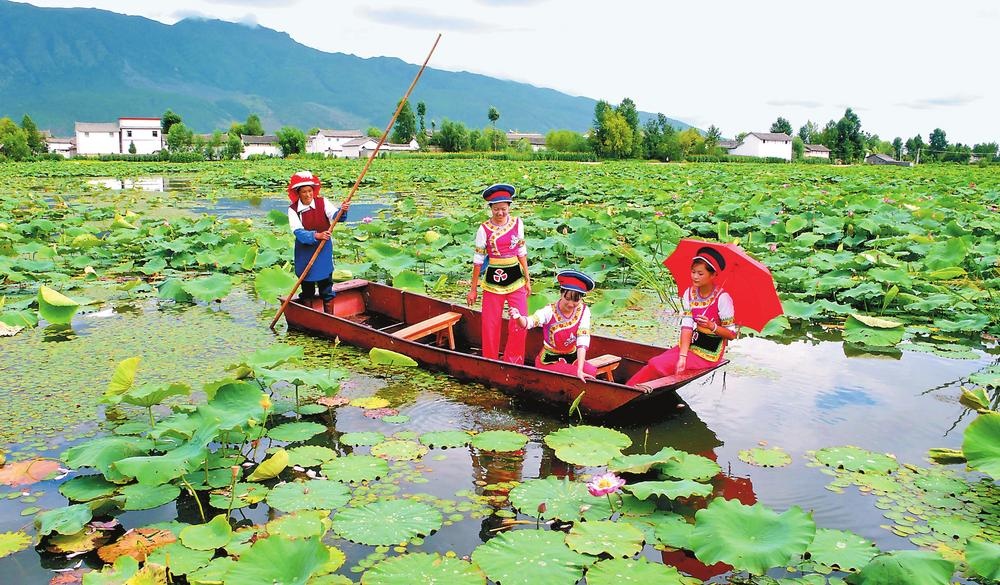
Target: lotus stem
[[645, 441], [197, 500], [297, 415], [232, 489], [612, 504], [152, 421]]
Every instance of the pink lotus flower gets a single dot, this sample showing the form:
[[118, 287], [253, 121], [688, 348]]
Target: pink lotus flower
[[773, 247], [605, 484], [366, 219]]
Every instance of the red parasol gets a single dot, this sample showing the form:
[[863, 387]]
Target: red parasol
[[746, 280]]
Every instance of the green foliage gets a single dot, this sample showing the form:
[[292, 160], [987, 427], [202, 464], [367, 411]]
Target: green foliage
[[566, 141], [291, 140], [13, 141], [36, 144], [452, 136], [406, 125], [180, 138], [782, 125], [168, 119]]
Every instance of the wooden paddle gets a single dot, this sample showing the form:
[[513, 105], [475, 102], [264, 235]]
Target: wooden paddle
[[357, 183]]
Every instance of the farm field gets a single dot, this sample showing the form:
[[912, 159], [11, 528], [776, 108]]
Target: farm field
[[144, 390]]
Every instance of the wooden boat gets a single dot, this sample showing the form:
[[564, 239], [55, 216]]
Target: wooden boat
[[446, 337]]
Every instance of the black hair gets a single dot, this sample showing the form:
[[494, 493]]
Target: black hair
[[712, 253], [571, 295]]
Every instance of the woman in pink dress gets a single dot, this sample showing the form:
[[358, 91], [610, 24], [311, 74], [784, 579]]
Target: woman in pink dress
[[565, 327], [501, 258], [708, 323]]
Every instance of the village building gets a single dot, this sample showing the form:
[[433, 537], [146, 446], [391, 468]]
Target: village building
[[764, 145], [727, 145], [118, 137], [63, 146], [97, 138], [815, 151], [260, 145], [885, 159], [331, 142], [363, 147], [537, 141]]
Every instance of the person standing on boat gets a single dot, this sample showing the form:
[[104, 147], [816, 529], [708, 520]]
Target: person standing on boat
[[708, 322], [501, 258], [310, 217], [565, 327]]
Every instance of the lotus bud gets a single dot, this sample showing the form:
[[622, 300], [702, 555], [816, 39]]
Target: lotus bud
[[235, 471], [265, 402], [542, 507]]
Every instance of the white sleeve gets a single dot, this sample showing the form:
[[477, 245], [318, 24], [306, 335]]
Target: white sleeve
[[727, 313], [293, 220], [583, 331], [479, 255], [522, 248], [331, 209], [687, 320], [539, 317]]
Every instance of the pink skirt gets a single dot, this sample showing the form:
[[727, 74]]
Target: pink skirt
[[562, 366]]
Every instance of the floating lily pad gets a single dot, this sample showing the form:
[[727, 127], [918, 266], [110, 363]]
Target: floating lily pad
[[246, 494], [500, 441], [841, 550], [379, 413], [295, 431], [355, 468], [637, 572], [209, 536], [369, 402], [684, 488], [397, 450], [905, 566], [689, 466], [86, 540], [446, 439], [773, 457], [12, 542], [385, 357], [308, 495], [270, 467], [279, 560], [605, 537], [362, 438], [954, 527], [67, 520], [563, 499], [528, 557], [387, 522], [28, 472], [395, 419], [987, 377], [587, 445], [750, 538], [103, 452], [424, 568], [306, 524], [137, 543], [856, 459], [147, 497], [983, 558], [982, 444], [213, 573], [641, 463], [179, 559], [310, 455], [873, 331], [209, 288]]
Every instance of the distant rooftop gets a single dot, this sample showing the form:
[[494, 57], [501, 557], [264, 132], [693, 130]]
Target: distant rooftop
[[96, 126], [816, 148], [771, 135], [266, 139]]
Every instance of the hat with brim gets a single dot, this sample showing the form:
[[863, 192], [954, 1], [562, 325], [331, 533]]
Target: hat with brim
[[499, 193], [712, 257], [302, 179], [575, 280]]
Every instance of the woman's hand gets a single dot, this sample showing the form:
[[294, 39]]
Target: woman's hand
[[681, 363], [527, 286], [345, 207], [706, 325], [322, 235], [583, 376], [470, 298]]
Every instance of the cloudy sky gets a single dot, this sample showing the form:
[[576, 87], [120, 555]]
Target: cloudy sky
[[906, 67]]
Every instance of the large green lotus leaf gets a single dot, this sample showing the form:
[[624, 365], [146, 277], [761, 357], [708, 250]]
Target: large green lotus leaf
[[500, 441], [305, 524], [179, 559], [365, 438], [103, 452], [295, 431], [641, 463], [273, 283], [213, 573], [988, 377], [953, 527], [326, 380], [310, 455], [232, 405], [279, 560], [841, 550], [387, 522], [149, 395], [424, 568], [270, 467], [396, 450], [385, 357], [55, 307], [872, 331], [750, 538], [147, 497], [22, 318], [668, 529], [209, 288], [587, 445], [241, 496], [605, 537], [67, 520], [856, 459], [87, 487], [12, 542], [761, 457], [355, 468], [981, 444], [684, 488], [122, 379], [528, 557], [273, 356], [214, 534], [637, 572], [563, 499], [689, 466], [160, 469], [409, 280], [173, 289], [975, 398], [912, 567], [982, 556], [121, 572], [308, 495], [946, 254], [446, 439]]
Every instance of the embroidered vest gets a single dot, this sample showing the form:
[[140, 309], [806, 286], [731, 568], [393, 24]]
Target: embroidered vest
[[502, 269], [705, 345], [559, 333]]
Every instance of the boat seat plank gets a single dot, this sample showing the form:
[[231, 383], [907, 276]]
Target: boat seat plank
[[443, 325], [662, 382], [605, 364]]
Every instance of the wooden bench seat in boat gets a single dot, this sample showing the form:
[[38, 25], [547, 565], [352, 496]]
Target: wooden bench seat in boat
[[443, 325], [605, 364]]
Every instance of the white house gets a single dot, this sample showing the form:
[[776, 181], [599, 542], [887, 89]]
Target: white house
[[537, 141], [765, 144], [331, 142], [265, 145], [816, 151], [97, 138], [144, 133], [63, 146], [363, 147]]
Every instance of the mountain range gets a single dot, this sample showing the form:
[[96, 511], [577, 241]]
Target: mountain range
[[63, 65]]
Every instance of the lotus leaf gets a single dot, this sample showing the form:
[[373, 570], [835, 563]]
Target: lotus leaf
[[409, 280], [587, 445], [954, 527], [872, 331], [279, 560], [306, 524], [12, 542], [209, 288], [149, 395], [905, 566], [841, 550], [310, 455], [67, 520], [160, 469], [363, 438], [213, 573], [385, 357], [232, 405], [563, 499], [689, 466], [397, 450], [147, 497], [122, 379], [975, 399], [270, 467], [369, 402], [173, 289], [856, 459], [981, 444], [246, 494], [605, 537], [273, 284], [641, 463], [102, 452], [750, 538], [395, 419], [179, 559], [424, 568], [446, 439], [308, 495], [773, 457], [19, 319], [87, 487], [637, 572], [988, 377], [55, 307], [387, 522], [326, 380], [982, 556], [666, 528], [527, 557], [209, 536], [500, 441], [121, 571], [295, 431], [311, 409], [684, 488], [137, 543], [355, 468], [28, 472], [273, 356]]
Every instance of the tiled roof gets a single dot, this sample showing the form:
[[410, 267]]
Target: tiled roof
[[266, 139], [772, 135], [360, 141], [342, 133], [96, 126], [816, 148]]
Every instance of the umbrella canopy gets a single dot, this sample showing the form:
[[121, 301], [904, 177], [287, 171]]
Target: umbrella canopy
[[746, 280]]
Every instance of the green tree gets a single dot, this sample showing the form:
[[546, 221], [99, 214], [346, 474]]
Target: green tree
[[234, 146], [618, 136], [253, 127], [406, 125], [939, 143], [452, 137], [36, 144], [179, 139], [712, 137], [566, 141], [809, 132], [897, 148], [850, 142], [798, 147], [421, 113], [914, 146], [660, 140], [493, 114], [13, 141], [598, 132], [213, 147], [782, 125], [986, 150], [168, 119], [373, 132], [291, 141], [131, 148], [492, 139], [691, 141]]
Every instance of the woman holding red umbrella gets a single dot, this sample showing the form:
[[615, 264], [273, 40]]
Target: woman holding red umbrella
[[708, 322]]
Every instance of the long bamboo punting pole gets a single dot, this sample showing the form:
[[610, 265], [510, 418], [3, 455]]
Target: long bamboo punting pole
[[357, 183]]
